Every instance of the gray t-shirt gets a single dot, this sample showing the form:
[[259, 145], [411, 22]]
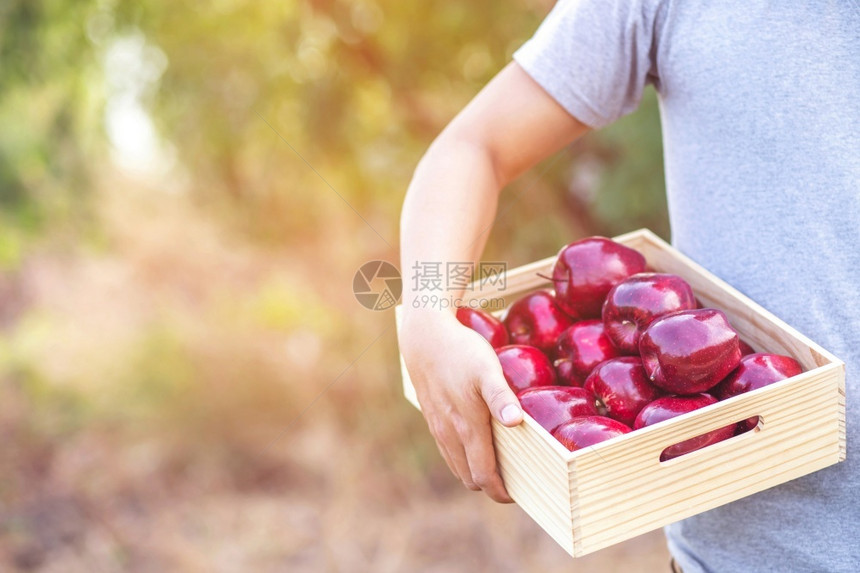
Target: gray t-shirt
[[760, 108]]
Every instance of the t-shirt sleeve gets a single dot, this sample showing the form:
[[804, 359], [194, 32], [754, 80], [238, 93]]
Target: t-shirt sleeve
[[595, 56]]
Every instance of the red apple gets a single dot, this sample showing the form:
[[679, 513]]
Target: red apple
[[585, 271], [588, 430], [551, 406], [525, 367], [579, 349], [745, 347], [634, 303], [536, 320], [622, 387], [484, 324], [756, 371], [689, 351], [565, 375], [671, 406]]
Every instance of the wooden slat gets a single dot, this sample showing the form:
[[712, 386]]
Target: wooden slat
[[537, 479]]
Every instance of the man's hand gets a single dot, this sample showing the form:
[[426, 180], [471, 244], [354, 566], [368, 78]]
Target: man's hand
[[459, 384]]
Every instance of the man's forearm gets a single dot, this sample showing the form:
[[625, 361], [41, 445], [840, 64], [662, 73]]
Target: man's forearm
[[448, 212]]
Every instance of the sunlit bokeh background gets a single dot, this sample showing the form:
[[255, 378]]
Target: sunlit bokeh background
[[187, 382]]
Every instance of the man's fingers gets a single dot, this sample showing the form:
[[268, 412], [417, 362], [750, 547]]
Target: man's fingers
[[501, 400], [455, 456], [478, 443], [458, 456], [447, 457]]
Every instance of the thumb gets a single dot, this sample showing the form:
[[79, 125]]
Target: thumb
[[501, 400]]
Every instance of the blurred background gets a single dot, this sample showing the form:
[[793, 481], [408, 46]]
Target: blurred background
[[187, 382]]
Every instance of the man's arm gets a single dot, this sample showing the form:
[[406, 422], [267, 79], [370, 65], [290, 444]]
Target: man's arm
[[449, 209]]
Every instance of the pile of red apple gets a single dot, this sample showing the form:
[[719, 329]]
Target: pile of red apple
[[616, 348]]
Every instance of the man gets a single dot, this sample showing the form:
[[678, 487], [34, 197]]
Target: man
[[760, 107]]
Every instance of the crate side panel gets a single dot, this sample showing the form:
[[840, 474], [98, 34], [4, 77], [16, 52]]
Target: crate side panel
[[536, 478], [624, 490]]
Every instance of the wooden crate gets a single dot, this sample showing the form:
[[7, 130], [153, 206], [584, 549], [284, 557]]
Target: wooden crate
[[618, 489]]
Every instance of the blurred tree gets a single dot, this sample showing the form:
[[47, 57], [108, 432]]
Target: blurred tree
[[49, 104], [629, 191], [357, 88]]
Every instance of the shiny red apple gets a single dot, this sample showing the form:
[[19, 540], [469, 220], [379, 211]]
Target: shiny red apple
[[588, 430], [536, 320], [689, 351], [745, 347], [585, 271], [622, 387], [484, 324], [756, 371], [579, 349], [634, 303], [551, 406], [671, 406], [525, 367]]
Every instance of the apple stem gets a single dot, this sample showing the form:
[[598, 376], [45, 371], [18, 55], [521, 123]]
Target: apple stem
[[550, 278]]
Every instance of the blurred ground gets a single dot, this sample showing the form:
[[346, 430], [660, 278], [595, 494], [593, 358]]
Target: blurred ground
[[147, 520], [149, 419]]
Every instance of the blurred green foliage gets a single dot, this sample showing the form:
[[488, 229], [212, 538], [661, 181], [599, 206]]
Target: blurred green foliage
[[49, 111], [358, 88], [630, 192], [264, 105]]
